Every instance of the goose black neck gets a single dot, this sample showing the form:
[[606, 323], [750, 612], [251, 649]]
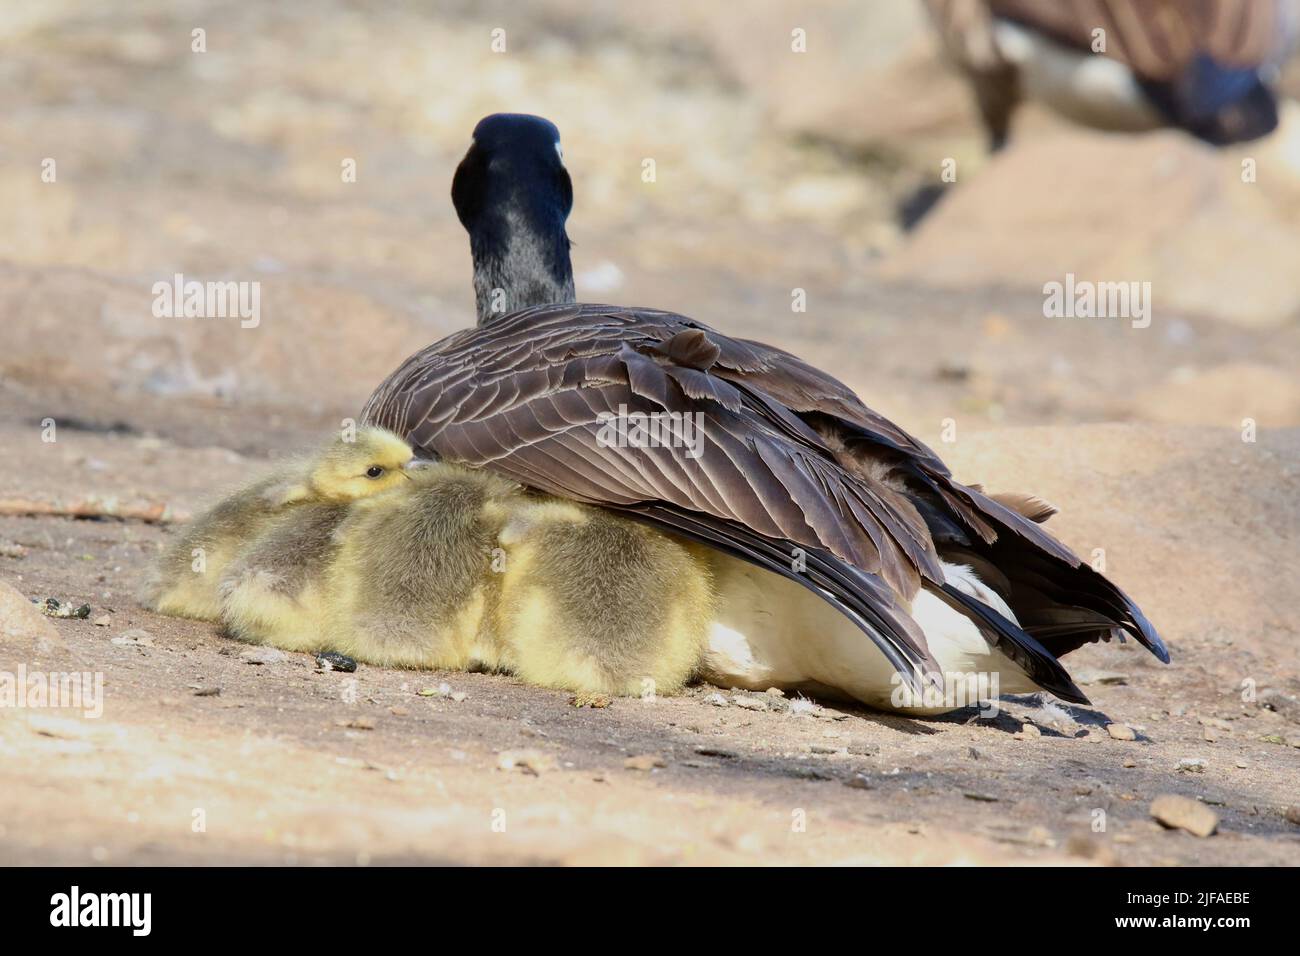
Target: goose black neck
[[521, 259]]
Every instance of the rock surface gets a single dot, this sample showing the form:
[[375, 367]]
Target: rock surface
[[776, 171], [22, 624]]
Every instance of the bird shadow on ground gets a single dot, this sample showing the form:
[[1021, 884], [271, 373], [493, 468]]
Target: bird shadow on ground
[[999, 719]]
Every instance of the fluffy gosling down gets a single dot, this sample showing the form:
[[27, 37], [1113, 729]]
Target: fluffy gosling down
[[464, 570], [460, 569], [591, 598], [187, 580]]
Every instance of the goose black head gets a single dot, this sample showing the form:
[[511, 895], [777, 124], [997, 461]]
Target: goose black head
[[513, 195]]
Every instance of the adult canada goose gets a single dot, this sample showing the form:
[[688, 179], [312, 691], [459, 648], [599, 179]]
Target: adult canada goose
[[187, 579], [761, 457], [1200, 65]]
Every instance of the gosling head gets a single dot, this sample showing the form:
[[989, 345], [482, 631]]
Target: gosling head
[[513, 195], [373, 460]]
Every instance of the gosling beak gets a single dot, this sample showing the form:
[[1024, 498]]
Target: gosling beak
[[415, 464]]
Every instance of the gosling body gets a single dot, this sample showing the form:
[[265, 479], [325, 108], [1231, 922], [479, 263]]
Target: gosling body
[[463, 570], [273, 592], [591, 598], [188, 580], [411, 582]]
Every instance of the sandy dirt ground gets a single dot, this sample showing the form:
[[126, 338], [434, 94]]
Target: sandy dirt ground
[[226, 164]]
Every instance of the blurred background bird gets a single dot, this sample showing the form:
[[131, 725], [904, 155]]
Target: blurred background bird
[[1203, 66]]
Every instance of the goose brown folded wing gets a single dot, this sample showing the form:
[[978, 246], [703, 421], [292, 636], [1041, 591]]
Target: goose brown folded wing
[[542, 414]]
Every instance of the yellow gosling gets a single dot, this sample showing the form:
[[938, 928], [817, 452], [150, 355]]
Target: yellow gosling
[[592, 601], [187, 578]]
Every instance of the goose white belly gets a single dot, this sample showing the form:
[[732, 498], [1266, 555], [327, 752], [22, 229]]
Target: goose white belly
[[772, 632], [1089, 88]]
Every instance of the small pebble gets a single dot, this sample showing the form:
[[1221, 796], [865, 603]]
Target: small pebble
[[749, 703], [1292, 815], [716, 699], [1121, 731], [1183, 813], [1192, 765], [332, 661], [102, 621]]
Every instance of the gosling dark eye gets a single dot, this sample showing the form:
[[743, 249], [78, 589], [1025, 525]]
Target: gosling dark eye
[[374, 471]]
